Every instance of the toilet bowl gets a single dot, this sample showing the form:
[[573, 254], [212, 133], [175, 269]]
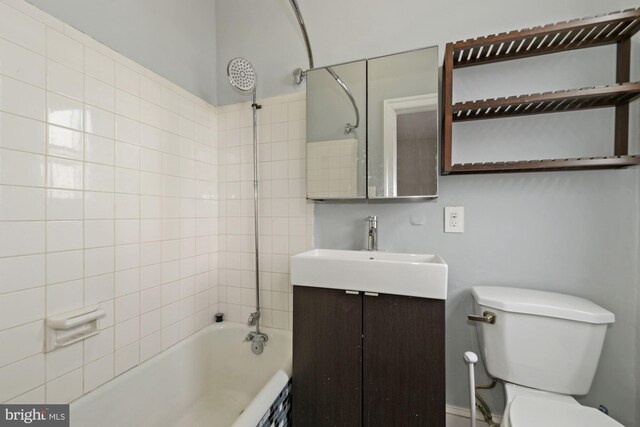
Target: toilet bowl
[[545, 347], [534, 408]]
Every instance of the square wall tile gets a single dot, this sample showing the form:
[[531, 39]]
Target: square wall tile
[[23, 30], [99, 177], [64, 235], [21, 238], [65, 50], [22, 99], [98, 149], [64, 360], [66, 388], [127, 358], [99, 261], [98, 289], [18, 168], [63, 111], [21, 307], [98, 372], [127, 80], [65, 81], [150, 346], [98, 346], [20, 273], [98, 233], [22, 376], [64, 266], [21, 342], [64, 297], [127, 332], [150, 90], [65, 174], [127, 257], [99, 94], [22, 64], [99, 66], [127, 181], [99, 205], [128, 130], [99, 122], [127, 282], [65, 143], [127, 105], [21, 203], [22, 134]]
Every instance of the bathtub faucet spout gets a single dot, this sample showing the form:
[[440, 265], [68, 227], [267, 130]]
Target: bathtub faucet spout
[[253, 318]]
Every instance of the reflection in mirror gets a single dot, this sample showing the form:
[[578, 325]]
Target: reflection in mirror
[[403, 125], [336, 136]]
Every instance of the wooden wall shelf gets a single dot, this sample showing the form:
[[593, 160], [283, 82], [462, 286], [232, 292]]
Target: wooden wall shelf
[[617, 27], [547, 102], [552, 38]]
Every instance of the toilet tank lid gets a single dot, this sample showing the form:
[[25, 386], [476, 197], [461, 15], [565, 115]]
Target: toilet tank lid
[[540, 303]]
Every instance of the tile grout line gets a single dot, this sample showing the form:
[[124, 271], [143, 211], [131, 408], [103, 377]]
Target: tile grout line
[[84, 167], [46, 224], [138, 361], [113, 283]]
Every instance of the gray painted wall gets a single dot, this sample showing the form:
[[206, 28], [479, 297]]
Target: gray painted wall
[[573, 232], [175, 39], [562, 232], [266, 32]]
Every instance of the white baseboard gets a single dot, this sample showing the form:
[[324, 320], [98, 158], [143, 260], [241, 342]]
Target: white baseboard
[[459, 417]]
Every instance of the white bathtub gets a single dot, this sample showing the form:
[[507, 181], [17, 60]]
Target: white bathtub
[[209, 379]]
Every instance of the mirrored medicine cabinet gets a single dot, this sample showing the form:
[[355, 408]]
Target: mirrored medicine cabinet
[[372, 128]]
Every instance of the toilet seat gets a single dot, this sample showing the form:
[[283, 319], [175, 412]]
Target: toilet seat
[[536, 411]]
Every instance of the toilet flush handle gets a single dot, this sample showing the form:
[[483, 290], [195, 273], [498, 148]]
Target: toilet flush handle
[[487, 317]]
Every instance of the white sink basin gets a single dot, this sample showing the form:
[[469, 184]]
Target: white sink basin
[[382, 272]]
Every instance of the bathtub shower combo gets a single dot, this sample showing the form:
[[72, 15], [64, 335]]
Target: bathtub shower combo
[[209, 379]]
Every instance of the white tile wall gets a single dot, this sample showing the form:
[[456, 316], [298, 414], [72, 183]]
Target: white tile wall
[[120, 189], [108, 195], [285, 217]]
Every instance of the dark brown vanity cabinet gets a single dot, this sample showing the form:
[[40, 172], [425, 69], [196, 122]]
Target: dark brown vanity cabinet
[[367, 360]]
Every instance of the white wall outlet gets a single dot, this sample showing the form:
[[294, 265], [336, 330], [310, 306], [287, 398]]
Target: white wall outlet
[[454, 219]]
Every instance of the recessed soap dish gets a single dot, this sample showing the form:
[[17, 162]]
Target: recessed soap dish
[[73, 326]]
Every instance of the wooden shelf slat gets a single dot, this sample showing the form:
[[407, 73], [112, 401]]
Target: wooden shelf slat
[[547, 102], [546, 165], [561, 36]]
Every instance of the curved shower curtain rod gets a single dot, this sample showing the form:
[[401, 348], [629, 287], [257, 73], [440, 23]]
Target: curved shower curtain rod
[[299, 74], [348, 127]]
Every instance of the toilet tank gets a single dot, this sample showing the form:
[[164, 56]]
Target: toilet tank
[[542, 340]]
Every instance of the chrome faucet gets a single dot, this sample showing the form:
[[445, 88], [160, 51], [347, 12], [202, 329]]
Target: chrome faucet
[[253, 318], [257, 340], [372, 234]]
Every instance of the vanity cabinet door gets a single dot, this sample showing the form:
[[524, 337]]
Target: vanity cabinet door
[[403, 367], [327, 361]]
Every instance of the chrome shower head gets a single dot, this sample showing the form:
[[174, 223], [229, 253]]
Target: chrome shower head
[[241, 74]]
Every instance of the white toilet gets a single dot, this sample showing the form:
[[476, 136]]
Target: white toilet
[[545, 347]]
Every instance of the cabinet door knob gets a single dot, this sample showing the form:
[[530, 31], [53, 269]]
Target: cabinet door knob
[[371, 294], [352, 292]]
